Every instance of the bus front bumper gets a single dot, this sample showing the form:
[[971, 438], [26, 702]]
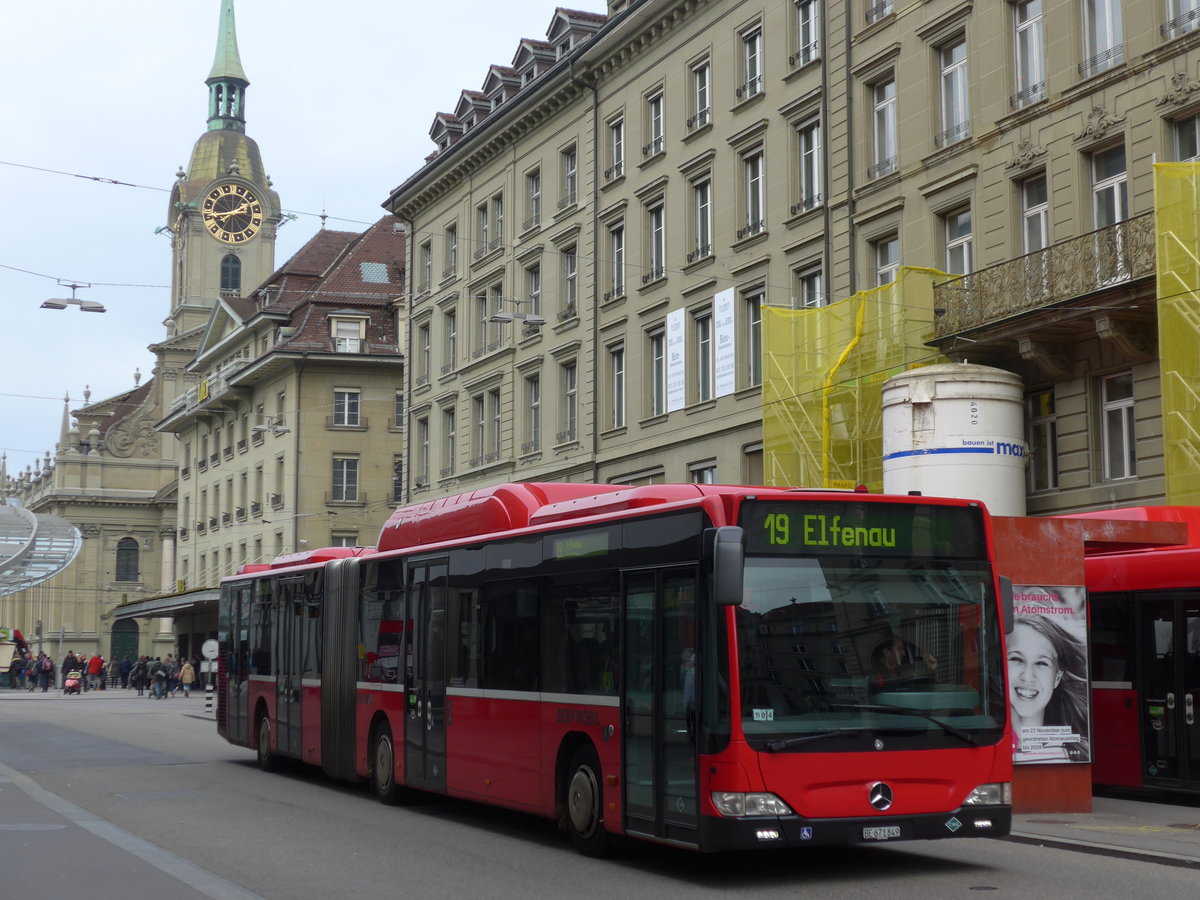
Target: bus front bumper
[[796, 831]]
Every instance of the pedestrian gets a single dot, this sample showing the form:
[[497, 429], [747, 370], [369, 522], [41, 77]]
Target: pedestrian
[[158, 678], [15, 667], [138, 674], [95, 672], [112, 673], [45, 671], [124, 667], [31, 672], [187, 676]]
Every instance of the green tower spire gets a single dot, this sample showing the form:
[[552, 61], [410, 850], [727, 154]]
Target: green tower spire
[[227, 81]]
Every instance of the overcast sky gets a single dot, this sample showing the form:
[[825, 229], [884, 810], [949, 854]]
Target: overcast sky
[[340, 101]]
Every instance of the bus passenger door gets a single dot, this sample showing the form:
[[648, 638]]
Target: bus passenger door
[[658, 687], [1170, 661], [290, 599], [425, 676], [235, 662]]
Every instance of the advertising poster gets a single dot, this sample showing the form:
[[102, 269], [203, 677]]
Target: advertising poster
[[1048, 675]]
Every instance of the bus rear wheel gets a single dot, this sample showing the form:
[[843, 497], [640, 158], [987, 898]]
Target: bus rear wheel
[[267, 760], [383, 767], [584, 797]]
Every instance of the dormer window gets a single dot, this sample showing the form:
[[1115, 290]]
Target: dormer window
[[565, 47], [348, 334]]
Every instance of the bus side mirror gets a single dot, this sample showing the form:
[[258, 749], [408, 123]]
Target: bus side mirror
[[728, 558], [1006, 603]]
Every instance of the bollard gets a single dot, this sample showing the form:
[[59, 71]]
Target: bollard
[[208, 698]]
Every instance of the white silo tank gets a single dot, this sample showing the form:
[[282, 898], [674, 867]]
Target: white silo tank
[[956, 430]]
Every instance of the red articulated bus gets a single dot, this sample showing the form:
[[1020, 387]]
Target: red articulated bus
[[707, 666]]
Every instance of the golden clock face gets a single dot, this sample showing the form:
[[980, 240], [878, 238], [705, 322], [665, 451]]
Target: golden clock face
[[232, 213]]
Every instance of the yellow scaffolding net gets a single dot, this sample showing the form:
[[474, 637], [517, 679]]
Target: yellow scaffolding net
[[1177, 227], [823, 374]]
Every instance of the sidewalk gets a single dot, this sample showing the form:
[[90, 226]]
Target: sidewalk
[[1136, 829]]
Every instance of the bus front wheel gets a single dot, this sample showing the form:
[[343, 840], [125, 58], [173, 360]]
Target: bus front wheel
[[383, 767], [267, 760], [585, 803]]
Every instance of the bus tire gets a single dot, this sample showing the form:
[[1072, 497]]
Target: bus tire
[[584, 797], [268, 761], [383, 766]]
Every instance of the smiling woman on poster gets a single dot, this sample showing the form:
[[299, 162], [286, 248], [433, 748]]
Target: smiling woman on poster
[[1047, 675]]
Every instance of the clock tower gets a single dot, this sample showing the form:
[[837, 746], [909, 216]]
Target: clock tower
[[223, 213]]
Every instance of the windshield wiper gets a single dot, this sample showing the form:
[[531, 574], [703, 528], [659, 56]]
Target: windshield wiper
[[908, 711], [789, 743]]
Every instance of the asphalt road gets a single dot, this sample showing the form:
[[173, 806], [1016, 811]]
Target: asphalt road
[[111, 796]]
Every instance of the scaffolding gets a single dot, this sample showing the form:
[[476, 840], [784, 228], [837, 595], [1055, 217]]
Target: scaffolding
[[1177, 227], [823, 375]]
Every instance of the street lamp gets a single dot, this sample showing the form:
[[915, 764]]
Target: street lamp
[[64, 302], [503, 315]]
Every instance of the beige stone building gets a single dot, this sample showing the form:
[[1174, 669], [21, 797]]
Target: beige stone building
[[290, 435], [602, 223]]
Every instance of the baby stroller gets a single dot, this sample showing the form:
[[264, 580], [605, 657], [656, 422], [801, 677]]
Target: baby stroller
[[71, 683]]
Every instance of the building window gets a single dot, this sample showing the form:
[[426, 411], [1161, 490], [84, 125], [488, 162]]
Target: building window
[[1184, 18], [883, 106], [808, 32], [702, 226], [810, 291], [451, 251], [886, 253], [752, 304], [703, 473], [533, 289], [752, 63], [1103, 45], [426, 266], [127, 560], [570, 284], [422, 461], [957, 225], [451, 329], [657, 242], [654, 125], [1043, 441], [808, 138], [346, 406], [956, 124], [479, 423], [1109, 182], [1185, 134], [658, 373], [704, 357], [569, 413], [616, 255], [701, 96], [1035, 214], [449, 441], [533, 198], [423, 353], [616, 376], [348, 335], [1031, 54], [533, 422], [616, 150], [345, 479], [398, 410], [1116, 400], [497, 222], [570, 177], [876, 10], [482, 230], [755, 193], [495, 413], [231, 276]]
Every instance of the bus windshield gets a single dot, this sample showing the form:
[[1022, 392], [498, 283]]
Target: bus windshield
[[860, 652]]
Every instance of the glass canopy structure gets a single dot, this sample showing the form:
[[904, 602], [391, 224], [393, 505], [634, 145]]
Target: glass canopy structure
[[33, 547]]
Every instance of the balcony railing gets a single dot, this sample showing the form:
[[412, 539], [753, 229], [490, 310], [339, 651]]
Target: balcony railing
[[879, 11], [1181, 24], [699, 120], [1073, 268], [1027, 96], [1094, 65]]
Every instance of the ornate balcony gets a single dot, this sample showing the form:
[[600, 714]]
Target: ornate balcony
[[1051, 278]]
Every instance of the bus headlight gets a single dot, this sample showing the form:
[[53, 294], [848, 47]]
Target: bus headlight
[[735, 804], [990, 795]]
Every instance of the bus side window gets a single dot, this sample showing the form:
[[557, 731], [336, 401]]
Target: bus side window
[[511, 651]]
